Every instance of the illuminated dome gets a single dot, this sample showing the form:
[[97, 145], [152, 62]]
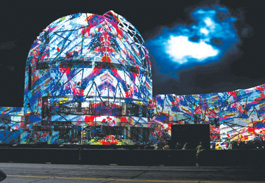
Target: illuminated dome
[[90, 37], [88, 70]]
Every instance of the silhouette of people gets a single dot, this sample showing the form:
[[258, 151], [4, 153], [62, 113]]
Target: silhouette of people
[[185, 146], [166, 147], [199, 150], [159, 145]]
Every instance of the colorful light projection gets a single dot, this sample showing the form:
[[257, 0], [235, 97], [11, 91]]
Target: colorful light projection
[[87, 70], [88, 81], [236, 116], [11, 119]]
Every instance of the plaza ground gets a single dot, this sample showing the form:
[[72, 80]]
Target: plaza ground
[[59, 173]]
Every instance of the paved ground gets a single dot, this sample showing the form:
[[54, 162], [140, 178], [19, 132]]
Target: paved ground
[[54, 173]]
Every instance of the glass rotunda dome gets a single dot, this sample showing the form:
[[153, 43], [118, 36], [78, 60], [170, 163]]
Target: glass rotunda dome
[[88, 70]]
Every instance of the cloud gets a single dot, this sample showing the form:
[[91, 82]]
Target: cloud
[[211, 35], [177, 49]]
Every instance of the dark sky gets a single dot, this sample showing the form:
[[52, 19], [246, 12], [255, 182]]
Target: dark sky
[[22, 22]]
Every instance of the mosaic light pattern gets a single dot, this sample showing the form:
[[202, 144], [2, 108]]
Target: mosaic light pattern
[[85, 71], [11, 119], [88, 81], [236, 116]]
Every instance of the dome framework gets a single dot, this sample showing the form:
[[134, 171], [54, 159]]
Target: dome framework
[[88, 81], [88, 72]]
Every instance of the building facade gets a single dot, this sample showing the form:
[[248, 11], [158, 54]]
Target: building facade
[[88, 81]]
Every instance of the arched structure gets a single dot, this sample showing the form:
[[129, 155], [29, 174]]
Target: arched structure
[[88, 74], [88, 81]]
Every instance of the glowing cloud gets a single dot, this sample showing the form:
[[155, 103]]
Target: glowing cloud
[[177, 49], [207, 40]]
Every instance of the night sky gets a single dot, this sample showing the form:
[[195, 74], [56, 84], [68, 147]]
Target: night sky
[[239, 66]]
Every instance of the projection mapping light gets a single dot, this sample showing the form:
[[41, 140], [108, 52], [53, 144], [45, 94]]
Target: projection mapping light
[[88, 74], [88, 81]]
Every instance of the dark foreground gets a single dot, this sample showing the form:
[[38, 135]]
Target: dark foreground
[[46, 173], [136, 157]]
